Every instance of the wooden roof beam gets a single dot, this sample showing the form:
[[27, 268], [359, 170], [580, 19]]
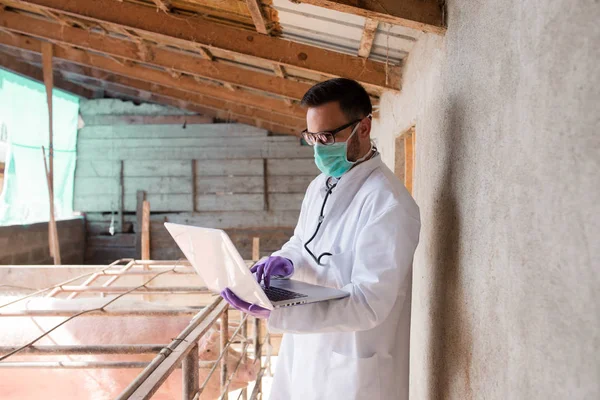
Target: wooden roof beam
[[206, 102], [152, 54], [222, 115], [423, 15], [139, 95], [294, 124], [185, 83], [186, 29], [257, 16], [368, 35], [13, 64]]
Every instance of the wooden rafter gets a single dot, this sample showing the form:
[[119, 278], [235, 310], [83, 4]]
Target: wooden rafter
[[257, 16], [203, 101], [204, 105], [149, 53], [100, 78], [423, 15], [133, 119], [188, 29], [13, 64], [368, 35], [128, 93], [135, 71], [122, 91]]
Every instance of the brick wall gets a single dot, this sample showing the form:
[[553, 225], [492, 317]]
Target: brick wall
[[28, 244]]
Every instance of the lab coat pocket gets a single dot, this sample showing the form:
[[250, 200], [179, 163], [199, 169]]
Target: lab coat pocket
[[352, 378]]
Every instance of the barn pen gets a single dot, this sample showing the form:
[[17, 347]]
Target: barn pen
[[149, 280]]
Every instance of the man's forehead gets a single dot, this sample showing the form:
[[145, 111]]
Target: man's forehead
[[324, 117]]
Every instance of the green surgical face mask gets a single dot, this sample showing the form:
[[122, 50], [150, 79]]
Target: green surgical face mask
[[332, 159]]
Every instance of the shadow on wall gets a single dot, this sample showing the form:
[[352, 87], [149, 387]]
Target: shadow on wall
[[451, 346]]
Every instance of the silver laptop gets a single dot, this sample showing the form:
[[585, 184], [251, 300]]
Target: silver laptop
[[220, 265]]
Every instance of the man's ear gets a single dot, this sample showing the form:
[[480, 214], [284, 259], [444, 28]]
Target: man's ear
[[364, 129]]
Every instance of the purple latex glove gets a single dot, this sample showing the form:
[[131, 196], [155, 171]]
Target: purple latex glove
[[273, 265], [241, 305]]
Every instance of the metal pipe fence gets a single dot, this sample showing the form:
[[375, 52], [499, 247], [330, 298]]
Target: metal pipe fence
[[182, 352]]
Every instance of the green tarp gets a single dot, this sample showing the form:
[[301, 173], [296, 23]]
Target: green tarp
[[24, 112]]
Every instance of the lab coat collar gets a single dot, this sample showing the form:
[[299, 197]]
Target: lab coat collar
[[354, 178], [361, 171]]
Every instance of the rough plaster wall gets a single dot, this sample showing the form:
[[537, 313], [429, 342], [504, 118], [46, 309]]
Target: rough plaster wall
[[507, 275]]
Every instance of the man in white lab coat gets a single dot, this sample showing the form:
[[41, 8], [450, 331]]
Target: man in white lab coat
[[357, 347]]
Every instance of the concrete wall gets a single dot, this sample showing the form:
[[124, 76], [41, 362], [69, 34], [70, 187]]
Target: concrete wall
[[28, 244], [506, 295]]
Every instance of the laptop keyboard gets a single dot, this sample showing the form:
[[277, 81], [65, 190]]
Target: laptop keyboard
[[278, 294]]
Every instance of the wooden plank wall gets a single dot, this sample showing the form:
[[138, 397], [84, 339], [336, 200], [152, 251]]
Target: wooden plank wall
[[102, 248], [230, 176]]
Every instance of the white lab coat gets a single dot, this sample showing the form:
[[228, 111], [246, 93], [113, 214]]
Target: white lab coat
[[357, 347]]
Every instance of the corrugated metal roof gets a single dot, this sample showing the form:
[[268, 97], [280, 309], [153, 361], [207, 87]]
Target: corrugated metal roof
[[342, 32]]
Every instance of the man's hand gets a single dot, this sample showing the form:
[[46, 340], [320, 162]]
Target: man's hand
[[273, 265], [241, 305], [264, 270]]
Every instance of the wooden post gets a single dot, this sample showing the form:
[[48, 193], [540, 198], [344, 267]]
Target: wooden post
[[145, 231], [266, 185], [257, 322], [244, 391], [255, 249], [194, 186], [121, 198], [146, 240], [47, 54], [414, 157], [52, 231], [224, 340], [257, 351], [408, 160], [141, 196], [190, 374]]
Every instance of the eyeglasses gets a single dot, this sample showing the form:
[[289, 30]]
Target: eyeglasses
[[325, 137]]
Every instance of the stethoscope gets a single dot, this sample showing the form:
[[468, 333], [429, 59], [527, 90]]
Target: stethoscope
[[330, 187]]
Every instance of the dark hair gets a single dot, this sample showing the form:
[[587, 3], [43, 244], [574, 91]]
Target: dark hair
[[352, 97]]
